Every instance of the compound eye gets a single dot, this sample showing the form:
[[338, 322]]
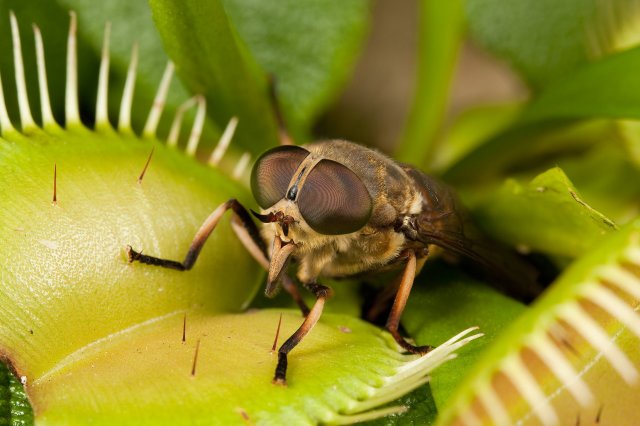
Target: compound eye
[[272, 173], [333, 199]]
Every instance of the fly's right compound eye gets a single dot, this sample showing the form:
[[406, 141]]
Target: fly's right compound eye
[[272, 173], [333, 200]]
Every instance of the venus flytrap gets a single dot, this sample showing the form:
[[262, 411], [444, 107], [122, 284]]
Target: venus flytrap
[[92, 203], [94, 338]]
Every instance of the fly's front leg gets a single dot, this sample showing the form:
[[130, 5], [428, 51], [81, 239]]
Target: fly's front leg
[[242, 224], [322, 293], [404, 289], [247, 233]]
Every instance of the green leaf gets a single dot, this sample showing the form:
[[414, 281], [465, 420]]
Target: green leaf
[[441, 32], [603, 89], [543, 39], [310, 47], [202, 43], [445, 300], [546, 215], [606, 88]]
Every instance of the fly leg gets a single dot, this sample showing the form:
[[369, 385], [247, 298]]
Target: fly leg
[[321, 292], [404, 289], [242, 224], [247, 233], [382, 302]]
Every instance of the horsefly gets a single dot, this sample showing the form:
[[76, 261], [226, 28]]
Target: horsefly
[[337, 209]]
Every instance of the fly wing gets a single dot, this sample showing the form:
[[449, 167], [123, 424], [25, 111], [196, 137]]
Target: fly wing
[[444, 223]]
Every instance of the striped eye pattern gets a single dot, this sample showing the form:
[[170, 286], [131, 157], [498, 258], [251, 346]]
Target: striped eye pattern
[[334, 200], [272, 173]]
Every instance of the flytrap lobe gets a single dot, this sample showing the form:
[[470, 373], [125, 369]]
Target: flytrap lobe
[[573, 355], [79, 321]]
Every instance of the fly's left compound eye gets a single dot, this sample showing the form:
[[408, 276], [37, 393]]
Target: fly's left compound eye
[[272, 173], [334, 200]]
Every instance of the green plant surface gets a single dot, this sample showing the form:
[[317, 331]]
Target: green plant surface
[[66, 279], [609, 192], [341, 364], [423, 410], [518, 149], [602, 89], [53, 21], [308, 50], [630, 134], [431, 316], [134, 26], [546, 215], [130, 22]]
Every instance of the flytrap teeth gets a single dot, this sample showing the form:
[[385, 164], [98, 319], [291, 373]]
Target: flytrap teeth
[[609, 288], [224, 142], [159, 101], [72, 112], [71, 108], [21, 84], [411, 375], [124, 118], [102, 98]]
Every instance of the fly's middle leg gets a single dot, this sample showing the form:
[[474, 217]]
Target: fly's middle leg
[[402, 294]]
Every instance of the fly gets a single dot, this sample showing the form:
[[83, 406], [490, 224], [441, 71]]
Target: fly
[[338, 209]]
